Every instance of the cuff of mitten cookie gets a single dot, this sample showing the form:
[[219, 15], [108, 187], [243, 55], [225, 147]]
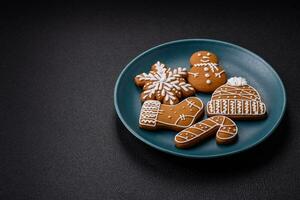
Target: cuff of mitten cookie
[[149, 113]]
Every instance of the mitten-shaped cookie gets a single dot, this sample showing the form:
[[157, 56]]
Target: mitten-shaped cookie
[[164, 84], [223, 127], [205, 74], [237, 100], [155, 115]]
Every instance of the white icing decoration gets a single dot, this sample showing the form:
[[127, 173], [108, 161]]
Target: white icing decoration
[[239, 107], [247, 107], [218, 74], [212, 66], [163, 80], [182, 117], [206, 69], [237, 81], [195, 75], [232, 107], [149, 113], [217, 106], [205, 60], [261, 107], [207, 75], [208, 81], [224, 107], [236, 107]]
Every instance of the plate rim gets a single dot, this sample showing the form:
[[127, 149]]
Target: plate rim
[[276, 124]]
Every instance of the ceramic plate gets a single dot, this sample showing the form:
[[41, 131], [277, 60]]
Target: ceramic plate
[[237, 61]]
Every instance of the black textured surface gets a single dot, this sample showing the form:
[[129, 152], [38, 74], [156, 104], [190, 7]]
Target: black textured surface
[[61, 139]]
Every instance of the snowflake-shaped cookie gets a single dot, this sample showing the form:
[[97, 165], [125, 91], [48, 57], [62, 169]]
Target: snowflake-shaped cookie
[[164, 84]]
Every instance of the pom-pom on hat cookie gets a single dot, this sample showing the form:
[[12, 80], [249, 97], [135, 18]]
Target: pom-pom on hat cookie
[[206, 74], [237, 100], [164, 84]]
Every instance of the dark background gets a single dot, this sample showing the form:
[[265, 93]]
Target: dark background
[[60, 137]]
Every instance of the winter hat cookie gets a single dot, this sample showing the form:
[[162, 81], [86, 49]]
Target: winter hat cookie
[[223, 127], [205, 74], [237, 100], [164, 84], [155, 115]]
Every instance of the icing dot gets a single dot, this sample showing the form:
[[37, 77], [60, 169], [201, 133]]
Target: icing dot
[[208, 54], [219, 97], [206, 69], [171, 109], [169, 117], [199, 54], [227, 97], [206, 75], [191, 110], [234, 97], [175, 112], [208, 81], [183, 107]]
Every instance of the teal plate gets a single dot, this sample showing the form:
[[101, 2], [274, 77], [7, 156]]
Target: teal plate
[[237, 61]]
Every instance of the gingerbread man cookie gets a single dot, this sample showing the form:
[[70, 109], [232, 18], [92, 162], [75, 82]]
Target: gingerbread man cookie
[[237, 100], [164, 84], [155, 115], [206, 74], [223, 127]]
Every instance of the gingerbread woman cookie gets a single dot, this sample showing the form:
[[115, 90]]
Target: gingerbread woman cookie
[[237, 100], [164, 84], [223, 127], [155, 115], [206, 74]]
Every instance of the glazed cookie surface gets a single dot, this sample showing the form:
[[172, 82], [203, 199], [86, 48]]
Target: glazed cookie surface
[[223, 127], [206, 74], [164, 84], [155, 115], [237, 100]]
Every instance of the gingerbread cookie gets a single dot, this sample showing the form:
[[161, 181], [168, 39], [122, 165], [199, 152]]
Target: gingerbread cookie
[[237, 100], [206, 74], [164, 84], [155, 115], [223, 127]]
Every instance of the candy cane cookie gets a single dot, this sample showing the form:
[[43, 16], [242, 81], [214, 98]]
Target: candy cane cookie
[[223, 127], [155, 115]]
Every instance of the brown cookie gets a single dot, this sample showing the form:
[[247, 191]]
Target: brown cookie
[[223, 127], [155, 115], [164, 84], [203, 57], [205, 74], [237, 100]]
